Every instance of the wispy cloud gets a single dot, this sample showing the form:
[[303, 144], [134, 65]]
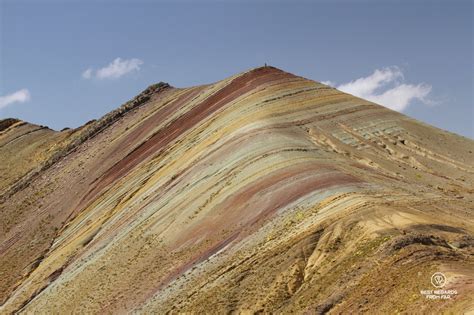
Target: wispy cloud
[[386, 87], [20, 96], [87, 74], [330, 83], [116, 69]]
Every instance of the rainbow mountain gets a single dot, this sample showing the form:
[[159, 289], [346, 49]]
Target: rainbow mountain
[[264, 192]]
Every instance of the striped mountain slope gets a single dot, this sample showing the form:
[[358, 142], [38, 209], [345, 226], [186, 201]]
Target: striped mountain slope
[[262, 192]]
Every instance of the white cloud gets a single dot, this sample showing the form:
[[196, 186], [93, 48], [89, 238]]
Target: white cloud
[[87, 74], [386, 87], [20, 96], [330, 83], [116, 69], [399, 97]]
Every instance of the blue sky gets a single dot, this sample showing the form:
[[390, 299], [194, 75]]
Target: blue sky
[[415, 56]]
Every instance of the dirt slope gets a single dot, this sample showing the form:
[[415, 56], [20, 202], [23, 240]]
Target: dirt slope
[[262, 192]]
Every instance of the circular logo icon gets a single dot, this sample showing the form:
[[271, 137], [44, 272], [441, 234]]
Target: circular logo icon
[[438, 280]]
